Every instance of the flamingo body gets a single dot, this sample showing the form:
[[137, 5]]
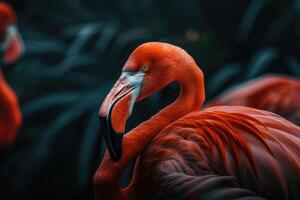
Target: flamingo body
[[11, 47], [221, 152], [10, 114], [275, 93], [224, 152]]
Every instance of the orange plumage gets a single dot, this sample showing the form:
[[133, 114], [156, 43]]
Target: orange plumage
[[275, 93], [222, 152], [10, 114], [12, 47]]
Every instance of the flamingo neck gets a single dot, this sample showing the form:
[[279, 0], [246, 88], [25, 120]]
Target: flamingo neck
[[108, 175], [10, 117], [190, 99]]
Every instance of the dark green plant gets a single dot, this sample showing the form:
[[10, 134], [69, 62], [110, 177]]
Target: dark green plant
[[75, 51]]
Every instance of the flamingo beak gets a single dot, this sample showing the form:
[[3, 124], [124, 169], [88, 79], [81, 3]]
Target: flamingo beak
[[12, 47], [117, 108]]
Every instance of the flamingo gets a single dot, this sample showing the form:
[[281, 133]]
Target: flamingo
[[276, 93], [12, 47], [221, 152]]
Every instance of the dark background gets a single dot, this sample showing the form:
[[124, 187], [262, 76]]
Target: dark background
[[75, 50]]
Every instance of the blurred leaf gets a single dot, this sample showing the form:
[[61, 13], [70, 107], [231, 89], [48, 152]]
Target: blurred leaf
[[109, 32], [91, 134], [39, 47], [59, 99], [74, 61], [84, 104], [223, 76], [261, 60], [49, 135], [294, 65], [84, 34], [37, 42], [79, 6], [83, 29], [248, 19], [283, 22], [128, 37]]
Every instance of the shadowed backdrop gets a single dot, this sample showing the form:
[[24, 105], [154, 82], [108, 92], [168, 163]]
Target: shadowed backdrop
[[75, 50]]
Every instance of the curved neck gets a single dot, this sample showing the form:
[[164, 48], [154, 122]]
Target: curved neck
[[191, 98], [10, 116]]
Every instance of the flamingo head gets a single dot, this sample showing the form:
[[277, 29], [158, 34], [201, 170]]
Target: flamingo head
[[11, 44], [148, 69]]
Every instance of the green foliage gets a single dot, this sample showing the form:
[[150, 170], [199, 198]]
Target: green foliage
[[75, 50]]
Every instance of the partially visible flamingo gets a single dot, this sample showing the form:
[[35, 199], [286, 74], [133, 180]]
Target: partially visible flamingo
[[11, 46], [276, 93], [11, 43], [222, 152]]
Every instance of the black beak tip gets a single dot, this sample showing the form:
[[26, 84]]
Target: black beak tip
[[112, 139], [116, 152]]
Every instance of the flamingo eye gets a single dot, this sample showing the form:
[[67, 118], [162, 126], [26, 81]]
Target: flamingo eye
[[144, 68]]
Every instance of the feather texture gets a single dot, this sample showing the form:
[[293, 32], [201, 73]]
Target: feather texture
[[278, 94], [219, 153]]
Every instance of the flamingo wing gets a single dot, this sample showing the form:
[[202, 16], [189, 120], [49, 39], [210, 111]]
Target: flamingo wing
[[10, 114], [275, 93], [219, 153]]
